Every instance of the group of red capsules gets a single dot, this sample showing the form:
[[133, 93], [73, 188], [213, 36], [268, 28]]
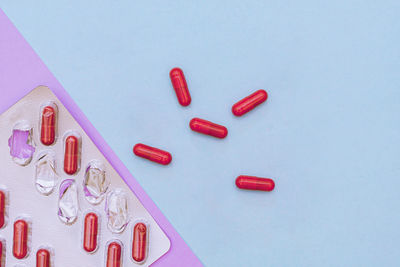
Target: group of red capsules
[[209, 128]]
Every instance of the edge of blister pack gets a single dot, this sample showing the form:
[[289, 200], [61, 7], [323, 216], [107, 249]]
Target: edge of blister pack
[[23, 71]]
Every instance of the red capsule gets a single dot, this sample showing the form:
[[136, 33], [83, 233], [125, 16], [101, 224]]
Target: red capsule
[[2, 209], [181, 89], [254, 183], [139, 245], [114, 255], [71, 156], [48, 129], [249, 102], [2, 253], [90, 232], [152, 153], [43, 258], [20, 242], [209, 128]]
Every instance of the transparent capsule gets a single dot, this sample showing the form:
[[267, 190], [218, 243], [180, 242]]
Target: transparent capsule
[[117, 211], [95, 183], [68, 205], [45, 173], [21, 143]]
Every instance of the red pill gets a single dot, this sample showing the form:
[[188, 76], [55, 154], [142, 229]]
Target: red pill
[[254, 183], [139, 245], [71, 156], [20, 242], [249, 102], [48, 129], [43, 258], [114, 254], [181, 89], [2, 253], [90, 232], [209, 128], [152, 153], [2, 209]]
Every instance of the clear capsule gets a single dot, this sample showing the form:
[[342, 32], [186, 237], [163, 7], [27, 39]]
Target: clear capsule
[[68, 205], [45, 173], [117, 211], [22, 146], [95, 183]]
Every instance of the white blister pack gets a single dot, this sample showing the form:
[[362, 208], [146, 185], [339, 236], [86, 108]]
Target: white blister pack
[[61, 202]]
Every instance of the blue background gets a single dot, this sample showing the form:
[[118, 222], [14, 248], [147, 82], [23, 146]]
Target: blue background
[[328, 134]]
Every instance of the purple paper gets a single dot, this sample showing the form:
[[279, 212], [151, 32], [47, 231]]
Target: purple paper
[[22, 71]]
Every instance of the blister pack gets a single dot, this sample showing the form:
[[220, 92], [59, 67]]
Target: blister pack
[[61, 201]]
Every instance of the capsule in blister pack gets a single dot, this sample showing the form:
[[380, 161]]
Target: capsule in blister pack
[[114, 254], [22, 237], [68, 205], [91, 231], [95, 183], [44, 257], [3, 246], [21, 143], [72, 152], [4, 198], [117, 210], [140, 242], [45, 172], [48, 123]]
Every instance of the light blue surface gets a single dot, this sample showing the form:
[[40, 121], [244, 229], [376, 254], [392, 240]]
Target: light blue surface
[[328, 135]]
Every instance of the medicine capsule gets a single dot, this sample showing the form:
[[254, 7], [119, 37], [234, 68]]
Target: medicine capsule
[[254, 183], [2, 253], [249, 102], [43, 258], [152, 153], [181, 89], [20, 241], [48, 126], [139, 245], [114, 254], [71, 154], [208, 128], [2, 209], [90, 232]]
